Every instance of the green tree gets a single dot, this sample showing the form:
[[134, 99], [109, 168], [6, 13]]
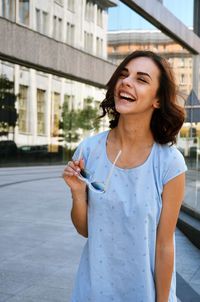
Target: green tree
[[8, 113], [74, 120]]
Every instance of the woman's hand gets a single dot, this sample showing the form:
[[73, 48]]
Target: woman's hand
[[71, 173], [79, 195]]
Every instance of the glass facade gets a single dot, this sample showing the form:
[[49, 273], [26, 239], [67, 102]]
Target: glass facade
[[183, 11], [110, 34], [136, 33]]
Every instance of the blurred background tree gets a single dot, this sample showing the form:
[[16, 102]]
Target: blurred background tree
[[8, 112], [81, 119]]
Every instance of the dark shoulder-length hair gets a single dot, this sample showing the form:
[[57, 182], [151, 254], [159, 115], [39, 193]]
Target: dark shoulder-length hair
[[167, 120]]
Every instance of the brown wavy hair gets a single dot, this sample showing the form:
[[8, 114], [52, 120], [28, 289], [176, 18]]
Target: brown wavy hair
[[166, 120]]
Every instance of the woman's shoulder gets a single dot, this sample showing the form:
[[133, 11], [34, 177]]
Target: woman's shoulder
[[89, 144], [169, 162], [96, 138], [169, 152]]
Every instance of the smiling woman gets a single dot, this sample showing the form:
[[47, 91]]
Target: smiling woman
[[168, 112], [129, 254]]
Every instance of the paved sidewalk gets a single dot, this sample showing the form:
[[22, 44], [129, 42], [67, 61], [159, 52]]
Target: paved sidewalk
[[39, 248]]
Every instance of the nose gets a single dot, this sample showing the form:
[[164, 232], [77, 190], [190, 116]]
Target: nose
[[127, 81]]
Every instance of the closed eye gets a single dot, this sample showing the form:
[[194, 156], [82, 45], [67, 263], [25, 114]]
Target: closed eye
[[123, 75], [142, 80]]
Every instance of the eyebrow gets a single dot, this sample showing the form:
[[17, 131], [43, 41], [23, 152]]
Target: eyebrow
[[139, 72], [144, 73]]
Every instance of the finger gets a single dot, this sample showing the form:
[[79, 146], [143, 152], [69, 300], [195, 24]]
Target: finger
[[73, 166], [82, 164], [76, 162], [67, 174], [68, 169]]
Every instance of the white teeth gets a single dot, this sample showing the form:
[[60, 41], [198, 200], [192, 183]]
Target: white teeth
[[126, 95]]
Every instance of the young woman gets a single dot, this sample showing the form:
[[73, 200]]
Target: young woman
[[127, 187]]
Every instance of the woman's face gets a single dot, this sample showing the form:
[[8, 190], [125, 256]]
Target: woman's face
[[136, 89]]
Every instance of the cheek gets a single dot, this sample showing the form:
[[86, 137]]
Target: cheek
[[116, 88], [146, 92]]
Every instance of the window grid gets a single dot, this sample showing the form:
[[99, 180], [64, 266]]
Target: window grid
[[40, 112], [23, 109]]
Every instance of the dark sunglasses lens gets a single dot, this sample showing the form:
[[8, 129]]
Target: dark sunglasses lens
[[85, 174], [98, 186]]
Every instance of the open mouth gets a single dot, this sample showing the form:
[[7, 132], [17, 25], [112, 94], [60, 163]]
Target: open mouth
[[127, 97]]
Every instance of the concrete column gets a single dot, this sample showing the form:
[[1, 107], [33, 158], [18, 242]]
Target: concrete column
[[49, 109], [1, 11], [16, 91], [17, 11], [33, 106], [64, 29], [196, 19], [196, 74], [50, 33], [32, 14]]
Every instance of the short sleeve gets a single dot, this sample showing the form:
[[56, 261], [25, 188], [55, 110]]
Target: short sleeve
[[176, 166], [81, 151]]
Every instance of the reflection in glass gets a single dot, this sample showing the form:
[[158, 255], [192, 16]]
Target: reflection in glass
[[183, 11], [129, 32], [24, 12]]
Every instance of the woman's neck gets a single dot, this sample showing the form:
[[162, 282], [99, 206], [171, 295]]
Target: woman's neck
[[129, 133]]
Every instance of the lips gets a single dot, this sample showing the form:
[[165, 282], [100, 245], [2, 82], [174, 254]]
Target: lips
[[127, 96]]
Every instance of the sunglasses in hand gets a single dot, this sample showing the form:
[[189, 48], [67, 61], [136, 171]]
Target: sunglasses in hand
[[93, 185]]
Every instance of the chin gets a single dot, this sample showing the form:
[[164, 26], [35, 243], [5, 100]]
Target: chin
[[122, 109]]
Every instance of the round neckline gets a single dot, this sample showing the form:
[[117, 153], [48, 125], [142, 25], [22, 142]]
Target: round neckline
[[131, 168]]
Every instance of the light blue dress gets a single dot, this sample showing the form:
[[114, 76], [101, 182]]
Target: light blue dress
[[118, 260]]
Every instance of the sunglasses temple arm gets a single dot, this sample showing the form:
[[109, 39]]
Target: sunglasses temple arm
[[111, 170]]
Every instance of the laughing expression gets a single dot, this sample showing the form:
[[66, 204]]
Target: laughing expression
[[136, 89]]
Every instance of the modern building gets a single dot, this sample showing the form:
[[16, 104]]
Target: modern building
[[80, 24], [121, 43], [56, 51]]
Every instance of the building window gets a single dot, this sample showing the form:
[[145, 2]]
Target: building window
[[70, 33], [54, 26], [99, 47], [88, 42], [182, 79], [89, 11], [59, 34], [38, 20], [60, 2], [8, 9], [69, 101], [55, 114], [71, 5], [182, 62], [41, 112], [24, 12], [41, 21], [45, 23], [99, 17], [23, 109], [57, 28]]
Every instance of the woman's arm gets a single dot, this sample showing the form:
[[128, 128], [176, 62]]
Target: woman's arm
[[79, 196], [79, 212], [172, 198]]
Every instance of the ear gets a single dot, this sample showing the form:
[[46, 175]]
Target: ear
[[156, 104]]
